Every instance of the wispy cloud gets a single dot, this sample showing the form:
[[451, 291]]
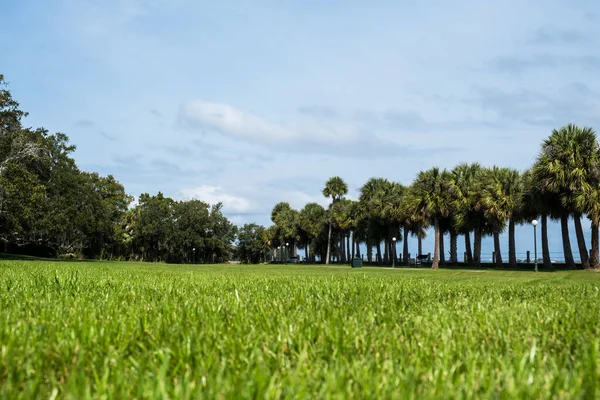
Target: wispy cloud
[[555, 35], [216, 194], [521, 64]]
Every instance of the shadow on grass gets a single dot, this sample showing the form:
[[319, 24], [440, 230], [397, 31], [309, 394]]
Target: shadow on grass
[[22, 257]]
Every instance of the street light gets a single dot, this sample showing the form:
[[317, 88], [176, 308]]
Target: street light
[[194, 255], [394, 253], [287, 251], [279, 253], [534, 223]]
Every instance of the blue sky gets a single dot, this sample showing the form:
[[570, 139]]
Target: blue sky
[[255, 102]]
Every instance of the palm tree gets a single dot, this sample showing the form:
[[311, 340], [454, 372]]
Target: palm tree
[[501, 201], [589, 201], [467, 181], [311, 224], [536, 204], [335, 188], [427, 197], [393, 213], [564, 168], [372, 199]]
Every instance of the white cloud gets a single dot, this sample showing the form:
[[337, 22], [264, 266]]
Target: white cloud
[[216, 194], [233, 122]]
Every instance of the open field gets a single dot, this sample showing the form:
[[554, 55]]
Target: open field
[[127, 330]]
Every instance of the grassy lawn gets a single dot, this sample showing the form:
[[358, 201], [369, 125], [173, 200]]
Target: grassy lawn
[[128, 330]]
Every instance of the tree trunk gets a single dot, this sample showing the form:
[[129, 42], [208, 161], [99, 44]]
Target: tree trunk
[[594, 259], [453, 247], [307, 253], [348, 253], [436, 248], [442, 249], [564, 225], [357, 248], [405, 246], [468, 248], [477, 247], [342, 249], [369, 252], [420, 242], [512, 251], [353, 247], [386, 251], [379, 253], [328, 245], [583, 251], [497, 249], [545, 247]]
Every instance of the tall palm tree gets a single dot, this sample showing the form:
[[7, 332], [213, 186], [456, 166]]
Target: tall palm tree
[[564, 168], [372, 199], [535, 204], [394, 215], [427, 196], [335, 188], [467, 181], [311, 223], [589, 201], [501, 201]]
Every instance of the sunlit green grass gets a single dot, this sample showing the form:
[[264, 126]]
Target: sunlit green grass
[[126, 330]]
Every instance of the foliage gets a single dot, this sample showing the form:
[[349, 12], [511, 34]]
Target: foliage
[[251, 247]]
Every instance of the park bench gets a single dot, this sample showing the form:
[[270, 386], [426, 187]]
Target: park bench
[[423, 258]]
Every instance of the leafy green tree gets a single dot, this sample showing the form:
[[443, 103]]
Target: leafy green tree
[[251, 247]]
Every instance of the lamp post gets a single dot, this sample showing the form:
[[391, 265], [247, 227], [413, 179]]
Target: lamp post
[[394, 252], [194, 255], [287, 252], [279, 253], [534, 223]]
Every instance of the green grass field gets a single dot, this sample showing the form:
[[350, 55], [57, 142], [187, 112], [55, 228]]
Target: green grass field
[[126, 330]]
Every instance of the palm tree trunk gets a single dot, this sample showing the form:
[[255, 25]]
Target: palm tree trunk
[[545, 247], [468, 248], [420, 244], [369, 251], [307, 253], [353, 247], [436, 247], [564, 225], [348, 254], [595, 259], [453, 247], [405, 246], [477, 247], [386, 251], [342, 248], [328, 245], [442, 249], [497, 249], [379, 253], [583, 252], [512, 251]]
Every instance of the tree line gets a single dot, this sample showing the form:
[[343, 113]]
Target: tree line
[[470, 201], [50, 207]]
